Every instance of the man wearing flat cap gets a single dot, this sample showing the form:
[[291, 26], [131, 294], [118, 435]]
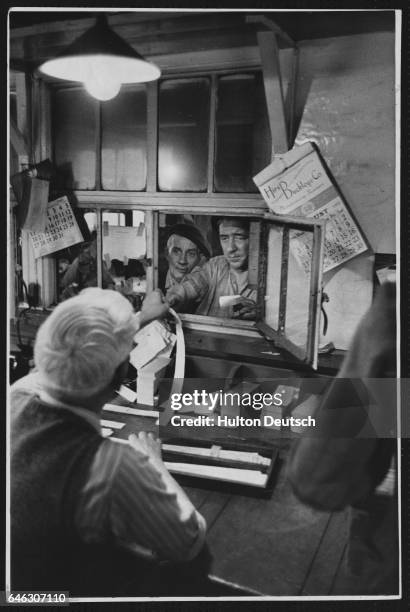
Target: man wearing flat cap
[[220, 288], [186, 252]]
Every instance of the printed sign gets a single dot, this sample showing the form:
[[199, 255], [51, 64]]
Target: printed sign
[[296, 183], [61, 229]]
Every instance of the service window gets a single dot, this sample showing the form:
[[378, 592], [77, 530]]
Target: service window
[[245, 272], [290, 289]]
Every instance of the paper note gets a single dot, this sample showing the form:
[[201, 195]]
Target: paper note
[[106, 432], [112, 424], [229, 300], [151, 340], [133, 411], [120, 241], [61, 229], [386, 274], [127, 394]]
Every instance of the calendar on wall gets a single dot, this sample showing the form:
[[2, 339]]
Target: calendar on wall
[[298, 184], [61, 229]]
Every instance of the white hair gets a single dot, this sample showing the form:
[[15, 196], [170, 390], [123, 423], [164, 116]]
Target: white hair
[[171, 242], [81, 344]]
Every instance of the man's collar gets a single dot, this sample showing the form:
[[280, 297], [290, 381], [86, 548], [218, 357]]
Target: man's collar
[[88, 415]]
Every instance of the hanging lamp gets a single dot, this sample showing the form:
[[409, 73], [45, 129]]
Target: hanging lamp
[[102, 61]]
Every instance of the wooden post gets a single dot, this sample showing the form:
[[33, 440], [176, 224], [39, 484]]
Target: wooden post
[[152, 136], [273, 90], [23, 98]]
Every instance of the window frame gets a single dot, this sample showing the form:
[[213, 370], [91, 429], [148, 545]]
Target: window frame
[[151, 200], [317, 228], [153, 128]]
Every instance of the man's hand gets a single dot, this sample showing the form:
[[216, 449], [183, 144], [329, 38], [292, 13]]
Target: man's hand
[[147, 444], [172, 299], [245, 309], [153, 307]]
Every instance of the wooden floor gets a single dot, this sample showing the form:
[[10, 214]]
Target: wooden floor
[[274, 546]]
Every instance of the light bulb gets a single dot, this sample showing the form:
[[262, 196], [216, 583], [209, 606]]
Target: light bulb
[[102, 87]]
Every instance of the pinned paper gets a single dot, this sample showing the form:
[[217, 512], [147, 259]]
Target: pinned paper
[[61, 230], [386, 274], [124, 241], [298, 184]]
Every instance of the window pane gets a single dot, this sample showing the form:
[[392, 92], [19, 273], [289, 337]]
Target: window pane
[[77, 265], [124, 141], [298, 290], [294, 323], [124, 249], [243, 140], [74, 130], [183, 135]]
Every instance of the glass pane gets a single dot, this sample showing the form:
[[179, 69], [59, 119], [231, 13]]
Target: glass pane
[[243, 142], [124, 141], [298, 291], [183, 135], [74, 133], [273, 272], [124, 249], [289, 316], [77, 265]]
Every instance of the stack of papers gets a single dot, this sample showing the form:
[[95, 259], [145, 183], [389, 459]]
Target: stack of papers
[[152, 340]]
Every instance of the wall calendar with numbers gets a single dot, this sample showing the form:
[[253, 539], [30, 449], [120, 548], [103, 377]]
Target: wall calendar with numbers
[[298, 183], [61, 230]]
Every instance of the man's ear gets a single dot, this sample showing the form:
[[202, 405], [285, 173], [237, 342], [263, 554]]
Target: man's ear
[[120, 374]]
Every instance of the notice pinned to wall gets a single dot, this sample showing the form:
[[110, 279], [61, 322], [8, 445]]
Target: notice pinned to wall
[[61, 230], [298, 184], [121, 242]]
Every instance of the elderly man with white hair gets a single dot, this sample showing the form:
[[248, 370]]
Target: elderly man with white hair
[[87, 512], [186, 251]]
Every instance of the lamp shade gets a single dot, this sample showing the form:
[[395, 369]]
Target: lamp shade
[[101, 60]]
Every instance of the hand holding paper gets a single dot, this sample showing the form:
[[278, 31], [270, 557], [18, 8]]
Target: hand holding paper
[[153, 307]]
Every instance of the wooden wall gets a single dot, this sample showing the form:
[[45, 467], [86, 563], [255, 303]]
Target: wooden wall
[[345, 102]]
